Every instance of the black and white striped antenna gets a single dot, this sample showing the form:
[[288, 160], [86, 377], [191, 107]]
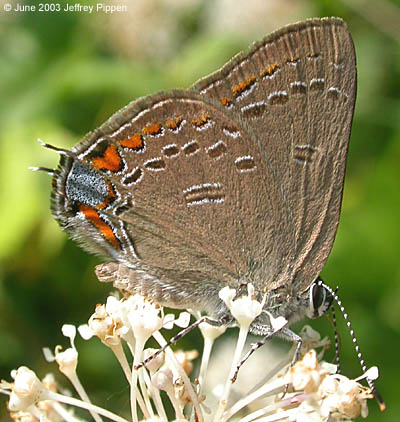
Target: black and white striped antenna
[[371, 384]]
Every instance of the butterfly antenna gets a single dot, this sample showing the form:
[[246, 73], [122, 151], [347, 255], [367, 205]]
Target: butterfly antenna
[[50, 172], [61, 151], [338, 341], [371, 384]]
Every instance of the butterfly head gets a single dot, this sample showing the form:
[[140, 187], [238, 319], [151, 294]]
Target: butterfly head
[[319, 299]]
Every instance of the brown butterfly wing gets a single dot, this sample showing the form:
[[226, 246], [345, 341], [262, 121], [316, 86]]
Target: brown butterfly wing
[[191, 199], [238, 182], [296, 90]]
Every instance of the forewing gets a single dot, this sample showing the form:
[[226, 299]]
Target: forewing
[[189, 199]]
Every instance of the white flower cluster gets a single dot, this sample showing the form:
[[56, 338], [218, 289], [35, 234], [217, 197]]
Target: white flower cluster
[[308, 391], [325, 394]]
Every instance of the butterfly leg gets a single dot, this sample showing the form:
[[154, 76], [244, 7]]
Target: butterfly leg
[[173, 340], [283, 332], [254, 347], [293, 338]]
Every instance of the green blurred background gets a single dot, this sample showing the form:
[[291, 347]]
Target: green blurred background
[[63, 74]]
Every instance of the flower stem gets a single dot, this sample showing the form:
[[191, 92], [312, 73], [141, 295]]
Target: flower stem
[[244, 329], [193, 396], [79, 403], [82, 394], [208, 344], [121, 357]]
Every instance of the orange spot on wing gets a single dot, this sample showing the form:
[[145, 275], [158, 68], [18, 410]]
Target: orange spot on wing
[[243, 86], [93, 217], [225, 101], [269, 70], [111, 196], [152, 129], [134, 142], [202, 120], [174, 124], [103, 205], [110, 160]]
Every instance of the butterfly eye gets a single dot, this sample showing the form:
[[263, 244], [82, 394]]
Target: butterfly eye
[[319, 299]]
